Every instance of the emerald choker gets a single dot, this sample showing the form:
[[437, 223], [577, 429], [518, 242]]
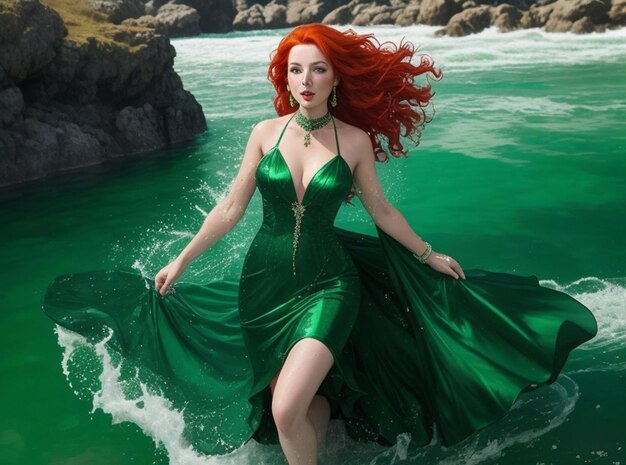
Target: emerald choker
[[311, 125]]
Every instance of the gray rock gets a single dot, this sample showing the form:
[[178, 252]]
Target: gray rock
[[172, 20], [182, 113], [506, 17], [11, 106], [582, 26], [141, 127], [242, 5], [476, 19], [617, 13], [573, 10], [536, 16], [66, 104], [408, 16], [148, 20], [179, 20], [367, 13], [437, 12], [364, 12], [342, 15], [395, 14], [362, 19], [308, 11], [359, 6], [117, 11], [79, 148], [250, 19], [215, 15], [519, 4], [403, 3], [37, 151], [275, 15], [383, 18], [28, 39], [469, 21], [566, 12], [8, 152], [151, 8]]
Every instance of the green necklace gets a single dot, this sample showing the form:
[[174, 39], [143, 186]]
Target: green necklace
[[311, 125]]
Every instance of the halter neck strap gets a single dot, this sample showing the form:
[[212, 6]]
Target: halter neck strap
[[334, 128], [283, 131], [336, 137]]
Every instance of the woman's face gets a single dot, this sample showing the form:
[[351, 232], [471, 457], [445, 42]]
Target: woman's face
[[310, 76]]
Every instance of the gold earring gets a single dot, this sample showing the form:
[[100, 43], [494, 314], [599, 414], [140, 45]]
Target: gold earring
[[333, 101], [292, 101]]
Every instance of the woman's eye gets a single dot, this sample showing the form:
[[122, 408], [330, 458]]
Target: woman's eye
[[321, 70], [294, 70]]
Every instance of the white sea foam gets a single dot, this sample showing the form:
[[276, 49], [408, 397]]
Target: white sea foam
[[533, 415], [606, 298], [230, 81], [211, 55], [155, 415]]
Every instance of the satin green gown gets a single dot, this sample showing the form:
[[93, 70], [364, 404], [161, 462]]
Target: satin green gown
[[415, 351]]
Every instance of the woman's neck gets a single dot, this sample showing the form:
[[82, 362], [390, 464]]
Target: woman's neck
[[314, 113]]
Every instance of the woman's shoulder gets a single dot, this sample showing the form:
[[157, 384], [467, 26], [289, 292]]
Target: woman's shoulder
[[267, 131], [352, 137], [270, 126], [349, 130]]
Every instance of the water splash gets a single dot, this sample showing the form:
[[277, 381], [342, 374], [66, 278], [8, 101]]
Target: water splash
[[532, 416], [607, 300], [163, 241]]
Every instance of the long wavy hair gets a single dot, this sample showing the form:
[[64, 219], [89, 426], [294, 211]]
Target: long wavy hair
[[377, 90]]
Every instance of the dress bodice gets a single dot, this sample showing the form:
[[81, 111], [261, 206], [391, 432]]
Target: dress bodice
[[322, 196], [312, 216]]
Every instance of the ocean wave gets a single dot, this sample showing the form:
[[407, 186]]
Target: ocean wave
[[532, 416], [487, 49]]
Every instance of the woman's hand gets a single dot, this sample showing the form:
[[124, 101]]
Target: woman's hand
[[166, 277], [445, 264]]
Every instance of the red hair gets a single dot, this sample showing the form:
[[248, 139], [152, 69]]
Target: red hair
[[376, 91]]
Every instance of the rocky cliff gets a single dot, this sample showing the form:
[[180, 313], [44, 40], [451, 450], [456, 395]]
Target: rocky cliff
[[77, 90]]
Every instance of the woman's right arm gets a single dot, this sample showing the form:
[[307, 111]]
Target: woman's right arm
[[223, 216]]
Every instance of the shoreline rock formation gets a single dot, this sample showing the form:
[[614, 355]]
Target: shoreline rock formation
[[78, 97], [458, 17]]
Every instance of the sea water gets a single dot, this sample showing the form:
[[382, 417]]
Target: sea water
[[522, 170]]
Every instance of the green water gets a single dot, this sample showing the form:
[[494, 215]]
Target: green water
[[523, 170]]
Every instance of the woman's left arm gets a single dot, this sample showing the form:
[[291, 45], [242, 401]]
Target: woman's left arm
[[387, 217]]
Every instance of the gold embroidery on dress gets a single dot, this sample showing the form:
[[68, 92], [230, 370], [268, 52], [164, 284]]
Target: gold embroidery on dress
[[298, 211]]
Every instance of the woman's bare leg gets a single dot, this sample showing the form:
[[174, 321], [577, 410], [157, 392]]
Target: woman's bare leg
[[319, 413], [301, 417]]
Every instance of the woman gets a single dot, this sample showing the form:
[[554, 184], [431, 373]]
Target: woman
[[306, 147], [386, 333]]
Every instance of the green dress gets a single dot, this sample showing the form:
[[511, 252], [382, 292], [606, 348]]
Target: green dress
[[415, 350]]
